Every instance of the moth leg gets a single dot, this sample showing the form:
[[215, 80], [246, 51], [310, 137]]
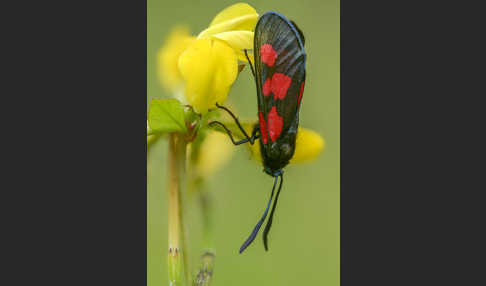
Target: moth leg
[[254, 134], [230, 134], [251, 66]]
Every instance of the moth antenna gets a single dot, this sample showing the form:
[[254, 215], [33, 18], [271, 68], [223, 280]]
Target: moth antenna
[[270, 219], [249, 62], [253, 234]]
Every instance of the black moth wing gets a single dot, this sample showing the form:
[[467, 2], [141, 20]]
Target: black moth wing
[[288, 42], [302, 38]]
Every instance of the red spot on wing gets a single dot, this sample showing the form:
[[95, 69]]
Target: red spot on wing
[[280, 85], [275, 124], [268, 54], [263, 128], [301, 91], [267, 87]]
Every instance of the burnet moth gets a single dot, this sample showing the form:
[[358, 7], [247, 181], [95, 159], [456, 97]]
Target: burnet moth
[[279, 73]]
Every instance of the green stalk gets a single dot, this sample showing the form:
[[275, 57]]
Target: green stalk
[[177, 238], [205, 273], [205, 201]]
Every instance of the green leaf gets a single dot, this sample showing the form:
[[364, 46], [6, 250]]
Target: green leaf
[[166, 115]]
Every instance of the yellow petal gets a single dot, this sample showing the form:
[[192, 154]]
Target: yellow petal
[[308, 146], [233, 11], [240, 16], [255, 151], [209, 68], [242, 57], [216, 150], [168, 57], [239, 41]]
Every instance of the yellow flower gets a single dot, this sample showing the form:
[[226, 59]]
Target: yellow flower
[[235, 26], [168, 58], [200, 71], [308, 146], [209, 67], [216, 150]]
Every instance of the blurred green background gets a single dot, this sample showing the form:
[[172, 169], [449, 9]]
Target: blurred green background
[[304, 241]]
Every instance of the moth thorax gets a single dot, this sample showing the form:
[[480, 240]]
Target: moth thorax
[[277, 155]]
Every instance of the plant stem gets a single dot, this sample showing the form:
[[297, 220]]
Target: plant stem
[[206, 270], [205, 201], [177, 237], [151, 140], [205, 274]]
